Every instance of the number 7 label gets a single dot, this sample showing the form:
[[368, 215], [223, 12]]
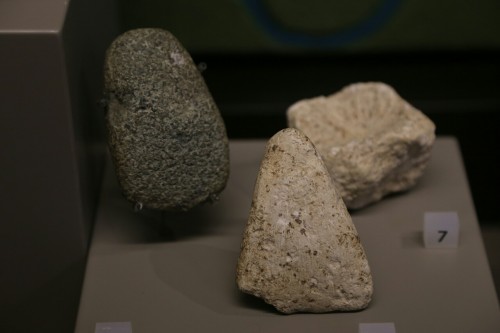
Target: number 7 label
[[441, 229], [443, 235]]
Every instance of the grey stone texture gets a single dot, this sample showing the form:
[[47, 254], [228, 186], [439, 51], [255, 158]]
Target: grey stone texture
[[373, 142], [300, 250], [166, 135]]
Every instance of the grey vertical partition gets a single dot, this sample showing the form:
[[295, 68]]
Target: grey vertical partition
[[51, 156]]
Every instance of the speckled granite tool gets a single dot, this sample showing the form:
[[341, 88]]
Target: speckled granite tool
[[166, 136], [373, 142], [300, 250]]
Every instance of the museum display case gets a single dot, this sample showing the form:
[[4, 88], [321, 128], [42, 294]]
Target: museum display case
[[74, 250]]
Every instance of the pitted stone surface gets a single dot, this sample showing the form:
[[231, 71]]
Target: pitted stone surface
[[300, 250], [372, 141], [166, 136]]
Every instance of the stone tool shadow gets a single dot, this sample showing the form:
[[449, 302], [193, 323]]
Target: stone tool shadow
[[206, 276]]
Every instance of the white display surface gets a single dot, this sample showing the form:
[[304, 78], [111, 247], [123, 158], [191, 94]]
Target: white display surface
[[179, 275]]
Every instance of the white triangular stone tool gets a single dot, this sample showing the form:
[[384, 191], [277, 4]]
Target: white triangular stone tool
[[300, 250]]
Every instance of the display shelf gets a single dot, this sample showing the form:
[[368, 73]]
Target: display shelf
[[175, 272]]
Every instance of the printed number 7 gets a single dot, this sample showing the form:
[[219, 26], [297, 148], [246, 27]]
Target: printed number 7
[[443, 235]]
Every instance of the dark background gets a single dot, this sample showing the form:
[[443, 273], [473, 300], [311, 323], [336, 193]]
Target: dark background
[[263, 55], [458, 91]]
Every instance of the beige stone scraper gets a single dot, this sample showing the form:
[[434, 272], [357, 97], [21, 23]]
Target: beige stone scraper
[[300, 250]]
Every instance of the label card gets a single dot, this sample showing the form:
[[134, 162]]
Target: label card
[[441, 229], [377, 328], [117, 327]]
